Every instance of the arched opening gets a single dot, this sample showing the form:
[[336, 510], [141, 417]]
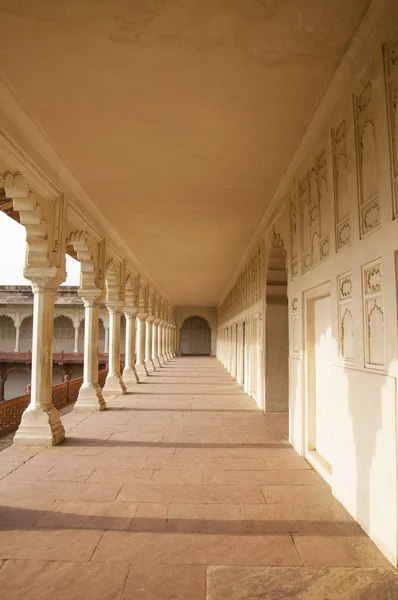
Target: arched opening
[[195, 337], [64, 334], [26, 334], [277, 332], [7, 334]]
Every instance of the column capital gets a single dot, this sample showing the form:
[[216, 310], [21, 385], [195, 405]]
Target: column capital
[[91, 297], [141, 316], [150, 318], [114, 307], [130, 312], [156, 321], [45, 279]]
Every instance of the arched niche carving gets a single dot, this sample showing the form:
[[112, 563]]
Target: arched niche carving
[[30, 215], [113, 282], [131, 291], [79, 241]]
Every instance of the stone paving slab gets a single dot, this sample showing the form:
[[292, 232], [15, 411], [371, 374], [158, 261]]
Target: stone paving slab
[[180, 476], [265, 583]]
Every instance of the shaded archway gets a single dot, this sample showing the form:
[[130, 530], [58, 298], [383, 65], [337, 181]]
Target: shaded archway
[[26, 334], [64, 334], [195, 337], [276, 332], [7, 334]]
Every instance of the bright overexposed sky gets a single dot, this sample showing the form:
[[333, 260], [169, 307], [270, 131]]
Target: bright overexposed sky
[[12, 255]]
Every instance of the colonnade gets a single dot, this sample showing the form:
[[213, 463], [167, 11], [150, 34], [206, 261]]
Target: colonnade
[[40, 424]]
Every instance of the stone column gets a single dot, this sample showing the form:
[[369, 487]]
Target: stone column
[[173, 341], [76, 345], [178, 341], [213, 351], [90, 394], [150, 365], [114, 383], [155, 343], [140, 366], [106, 341], [17, 337], [129, 372], [160, 343], [40, 424], [3, 379], [167, 342]]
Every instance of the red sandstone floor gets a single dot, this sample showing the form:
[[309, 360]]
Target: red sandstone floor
[[179, 477]]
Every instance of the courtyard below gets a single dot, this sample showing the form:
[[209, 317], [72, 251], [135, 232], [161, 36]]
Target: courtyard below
[[182, 489]]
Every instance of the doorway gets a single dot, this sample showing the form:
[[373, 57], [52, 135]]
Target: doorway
[[319, 378], [276, 332], [195, 337]]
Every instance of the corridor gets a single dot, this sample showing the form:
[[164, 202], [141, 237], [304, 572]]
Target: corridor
[[181, 490]]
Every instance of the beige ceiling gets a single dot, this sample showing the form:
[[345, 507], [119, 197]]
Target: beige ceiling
[[178, 117]]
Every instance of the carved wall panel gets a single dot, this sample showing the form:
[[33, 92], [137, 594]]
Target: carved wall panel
[[367, 171], [295, 326], [391, 71], [314, 204], [293, 233], [346, 319], [340, 174], [374, 315], [248, 288]]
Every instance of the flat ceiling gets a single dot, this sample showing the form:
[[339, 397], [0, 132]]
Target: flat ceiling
[[178, 117]]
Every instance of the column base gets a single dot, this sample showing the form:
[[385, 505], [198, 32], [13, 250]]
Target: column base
[[157, 362], [39, 427], [141, 370], [130, 375], [114, 384], [150, 367], [90, 398]]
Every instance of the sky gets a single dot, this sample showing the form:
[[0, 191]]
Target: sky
[[12, 255]]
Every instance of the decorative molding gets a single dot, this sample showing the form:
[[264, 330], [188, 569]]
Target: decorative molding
[[374, 327], [340, 185], [314, 204], [346, 319], [295, 327], [390, 52], [366, 159]]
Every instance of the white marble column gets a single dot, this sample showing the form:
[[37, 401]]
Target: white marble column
[[213, 351], [114, 382], [17, 337], [155, 343], [178, 343], [90, 394], [106, 341], [160, 343], [173, 341], [129, 372], [163, 342], [76, 345], [40, 424], [150, 365], [167, 342], [140, 366]]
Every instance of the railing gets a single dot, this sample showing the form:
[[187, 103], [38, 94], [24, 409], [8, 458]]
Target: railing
[[65, 393], [58, 357]]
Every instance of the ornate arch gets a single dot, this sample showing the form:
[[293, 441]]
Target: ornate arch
[[9, 316], [209, 315], [112, 281], [80, 243], [131, 293], [24, 202]]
